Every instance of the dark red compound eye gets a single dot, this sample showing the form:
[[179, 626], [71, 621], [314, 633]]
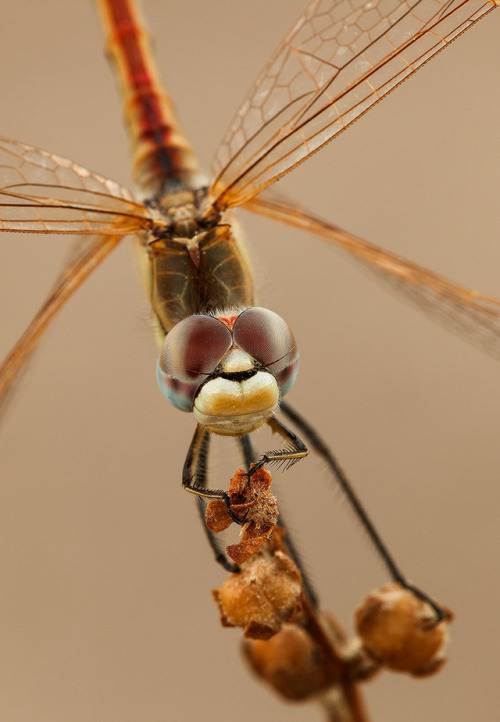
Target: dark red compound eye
[[266, 337], [194, 348]]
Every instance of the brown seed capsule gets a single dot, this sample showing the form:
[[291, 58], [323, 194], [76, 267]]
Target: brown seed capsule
[[216, 517], [396, 630], [290, 662], [261, 597], [251, 501]]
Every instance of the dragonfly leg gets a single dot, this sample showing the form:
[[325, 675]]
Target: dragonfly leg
[[196, 460], [247, 450], [201, 480], [295, 450], [324, 452]]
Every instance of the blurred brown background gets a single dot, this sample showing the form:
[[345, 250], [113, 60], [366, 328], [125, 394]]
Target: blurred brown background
[[105, 606]]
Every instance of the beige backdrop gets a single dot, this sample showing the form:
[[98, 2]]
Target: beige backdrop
[[105, 606]]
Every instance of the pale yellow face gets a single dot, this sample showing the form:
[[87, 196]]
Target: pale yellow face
[[231, 407]]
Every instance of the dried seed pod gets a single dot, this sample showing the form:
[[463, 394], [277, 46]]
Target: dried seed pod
[[396, 630], [251, 501], [216, 517], [291, 662], [261, 597]]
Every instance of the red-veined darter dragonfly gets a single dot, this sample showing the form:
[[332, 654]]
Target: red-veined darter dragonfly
[[223, 358]]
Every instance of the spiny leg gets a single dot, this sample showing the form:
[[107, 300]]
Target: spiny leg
[[201, 480], [295, 451], [195, 486], [322, 450], [247, 450]]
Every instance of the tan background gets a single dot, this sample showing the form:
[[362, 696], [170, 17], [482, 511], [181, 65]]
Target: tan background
[[105, 606]]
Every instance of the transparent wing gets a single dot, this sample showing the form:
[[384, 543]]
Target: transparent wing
[[78, 268], [43, 193], [472, 315], [339, 59]]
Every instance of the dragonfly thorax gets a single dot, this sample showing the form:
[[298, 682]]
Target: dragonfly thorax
[[181, 213], [190, 268]]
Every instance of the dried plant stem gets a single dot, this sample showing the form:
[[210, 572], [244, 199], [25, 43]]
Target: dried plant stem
[[344, 702]]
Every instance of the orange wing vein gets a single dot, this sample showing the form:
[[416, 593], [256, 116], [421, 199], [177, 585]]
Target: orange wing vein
[[338, 60], [44, 193], [470, 314], [74, 274]]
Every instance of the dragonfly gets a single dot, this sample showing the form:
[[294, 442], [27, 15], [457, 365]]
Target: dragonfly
[[335, 64]]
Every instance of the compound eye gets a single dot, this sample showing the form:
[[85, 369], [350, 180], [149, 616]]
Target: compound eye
[[194, 348], [267, 337]]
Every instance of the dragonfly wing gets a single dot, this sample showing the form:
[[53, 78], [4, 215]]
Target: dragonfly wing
[[44, 193], [78, 268], [339, 59], [468, 313]]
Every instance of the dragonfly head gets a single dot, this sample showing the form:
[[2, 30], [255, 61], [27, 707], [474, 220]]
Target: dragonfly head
[[231, 371]]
